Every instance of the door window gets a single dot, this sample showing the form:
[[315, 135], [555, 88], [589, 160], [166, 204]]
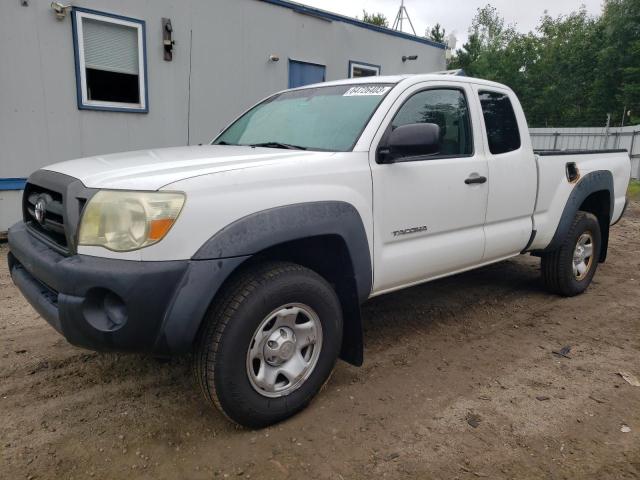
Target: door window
[[500, 121], [448, 109]]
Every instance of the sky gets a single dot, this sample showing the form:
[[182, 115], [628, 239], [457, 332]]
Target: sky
[[456, 15]]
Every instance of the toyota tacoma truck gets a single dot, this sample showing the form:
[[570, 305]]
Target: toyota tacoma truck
[[255, 252]]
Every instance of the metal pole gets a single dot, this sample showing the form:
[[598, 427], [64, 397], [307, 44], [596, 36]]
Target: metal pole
[[555, 140], [410, 23], [631, 152], [396, 22], [633, 138]]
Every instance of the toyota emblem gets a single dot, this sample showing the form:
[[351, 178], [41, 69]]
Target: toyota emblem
[[40, 210]]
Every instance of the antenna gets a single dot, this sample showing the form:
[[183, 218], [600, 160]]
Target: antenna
[[401, 17]]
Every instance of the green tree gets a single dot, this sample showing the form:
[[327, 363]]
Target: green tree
[[488, 38], [437, 34], [572, 70], [378, 19], [630, 91], [563, 73], [618, 62], [467, 57], [490, 28]]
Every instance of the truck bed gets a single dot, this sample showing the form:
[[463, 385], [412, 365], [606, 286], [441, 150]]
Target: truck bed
[[554, 188]]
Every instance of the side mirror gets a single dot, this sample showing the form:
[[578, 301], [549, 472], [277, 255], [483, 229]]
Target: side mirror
[[410, 140]]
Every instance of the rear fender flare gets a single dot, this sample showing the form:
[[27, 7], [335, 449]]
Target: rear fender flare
[[592, 182]]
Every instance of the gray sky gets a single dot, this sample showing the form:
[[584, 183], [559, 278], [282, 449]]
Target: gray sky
[[456, 15]]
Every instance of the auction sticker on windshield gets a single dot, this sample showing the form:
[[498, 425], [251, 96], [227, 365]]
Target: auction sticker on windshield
[[361, 90]]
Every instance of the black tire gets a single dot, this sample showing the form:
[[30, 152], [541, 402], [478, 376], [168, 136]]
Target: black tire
[[220, 359], [557, 266]]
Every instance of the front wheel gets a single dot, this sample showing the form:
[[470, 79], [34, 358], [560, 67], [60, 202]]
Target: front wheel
[[568, 270], [269, 344]]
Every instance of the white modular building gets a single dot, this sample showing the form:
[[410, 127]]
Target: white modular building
[[88, 77]]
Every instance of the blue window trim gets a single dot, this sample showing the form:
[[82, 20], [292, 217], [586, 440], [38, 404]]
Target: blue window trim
[[365, 64], [12, 183], [296, 7], [76, 56]]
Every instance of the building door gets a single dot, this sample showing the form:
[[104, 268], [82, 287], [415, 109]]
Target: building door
[[303, 73]]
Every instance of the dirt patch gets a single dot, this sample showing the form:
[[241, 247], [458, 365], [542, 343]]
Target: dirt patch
[[459, 381]]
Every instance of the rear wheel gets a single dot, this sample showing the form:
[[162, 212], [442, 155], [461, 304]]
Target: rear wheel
[[269, 344], [568, 270]]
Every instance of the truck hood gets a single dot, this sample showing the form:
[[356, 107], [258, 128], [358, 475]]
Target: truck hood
[[153, 169]]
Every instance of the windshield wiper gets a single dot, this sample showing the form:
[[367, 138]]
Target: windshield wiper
[[278, 145]]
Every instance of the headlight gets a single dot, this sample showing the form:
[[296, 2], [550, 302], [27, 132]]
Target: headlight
[[125, 221]]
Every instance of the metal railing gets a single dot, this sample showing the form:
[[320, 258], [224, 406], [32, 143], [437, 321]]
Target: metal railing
[[603, 138]]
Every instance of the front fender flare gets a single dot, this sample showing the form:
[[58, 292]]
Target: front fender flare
[[261, 230], [264, 229]]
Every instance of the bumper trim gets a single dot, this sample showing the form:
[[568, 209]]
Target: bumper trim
[[117, 305], [42, 298]]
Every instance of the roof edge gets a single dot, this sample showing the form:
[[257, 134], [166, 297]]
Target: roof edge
[[316, 12]]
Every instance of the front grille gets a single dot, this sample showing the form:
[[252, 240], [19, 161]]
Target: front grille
[[51, 225], [51, 207]]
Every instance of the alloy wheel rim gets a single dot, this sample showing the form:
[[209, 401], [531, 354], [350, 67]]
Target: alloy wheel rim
[[284, 350], [583, 256]]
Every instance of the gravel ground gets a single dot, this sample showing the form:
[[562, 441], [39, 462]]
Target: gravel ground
[[459, 381]]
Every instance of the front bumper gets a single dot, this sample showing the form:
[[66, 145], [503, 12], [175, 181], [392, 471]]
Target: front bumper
[[121, 305]]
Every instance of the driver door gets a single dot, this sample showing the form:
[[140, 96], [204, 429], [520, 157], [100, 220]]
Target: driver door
[[428, 221]]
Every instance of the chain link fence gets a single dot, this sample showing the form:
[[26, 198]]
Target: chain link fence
[[591, 138]]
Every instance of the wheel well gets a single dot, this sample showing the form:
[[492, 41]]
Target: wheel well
[[599, 204], [327, 255]]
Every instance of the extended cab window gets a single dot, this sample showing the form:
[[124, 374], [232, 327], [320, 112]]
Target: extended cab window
[[322, 118], [500, 121], [448, 109]]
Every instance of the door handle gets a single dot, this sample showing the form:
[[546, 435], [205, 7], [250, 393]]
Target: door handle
[[472, 180]]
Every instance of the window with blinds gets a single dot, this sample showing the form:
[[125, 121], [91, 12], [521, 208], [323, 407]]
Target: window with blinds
[[359, 69], [109, 61]]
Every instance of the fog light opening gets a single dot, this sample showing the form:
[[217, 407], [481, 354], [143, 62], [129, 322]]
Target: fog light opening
[[104, 310]]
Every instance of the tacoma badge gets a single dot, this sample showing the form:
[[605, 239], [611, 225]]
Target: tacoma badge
[[407, 231]]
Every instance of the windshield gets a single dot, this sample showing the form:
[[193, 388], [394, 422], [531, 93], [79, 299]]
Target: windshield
[[323, 118]]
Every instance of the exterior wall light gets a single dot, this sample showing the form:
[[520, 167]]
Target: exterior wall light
[[60, 10], [274, 58], [168, 42]]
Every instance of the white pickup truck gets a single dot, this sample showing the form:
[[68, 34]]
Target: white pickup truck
[[255, 252]]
